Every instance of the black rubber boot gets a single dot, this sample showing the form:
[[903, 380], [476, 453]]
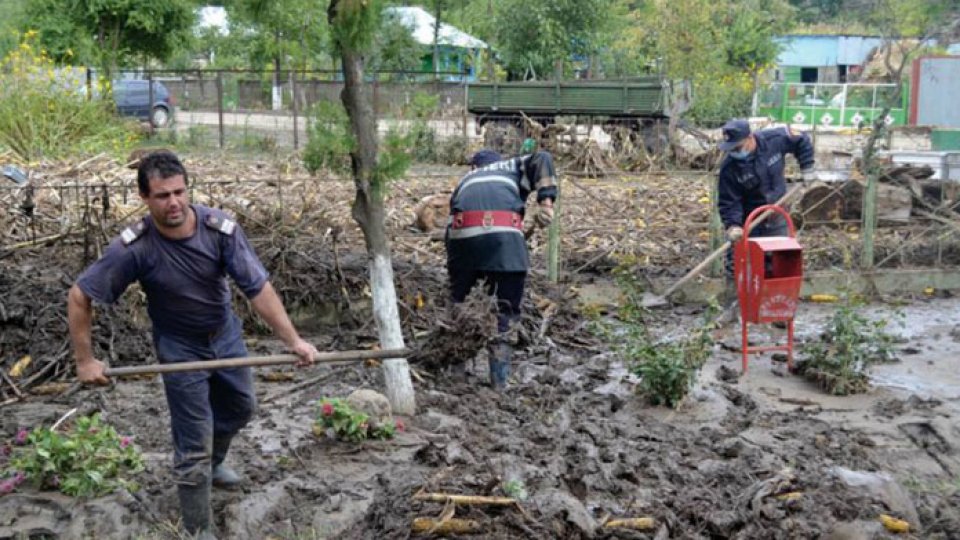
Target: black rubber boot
[[500, 355], [195, 510], [223, 475]]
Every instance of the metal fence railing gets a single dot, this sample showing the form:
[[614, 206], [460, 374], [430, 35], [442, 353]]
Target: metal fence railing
[[834, 105]]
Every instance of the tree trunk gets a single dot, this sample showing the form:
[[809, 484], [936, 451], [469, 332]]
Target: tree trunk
[[369, 213], [276, 102]]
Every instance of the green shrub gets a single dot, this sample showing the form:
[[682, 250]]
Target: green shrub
[[840, 361], [667, 370], [329, 140], [92, 460], [45, 113]]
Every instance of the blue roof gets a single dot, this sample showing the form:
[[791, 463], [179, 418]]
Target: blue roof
[[820, 50]]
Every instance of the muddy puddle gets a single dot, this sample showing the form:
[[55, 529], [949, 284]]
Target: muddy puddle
[[763, 455]]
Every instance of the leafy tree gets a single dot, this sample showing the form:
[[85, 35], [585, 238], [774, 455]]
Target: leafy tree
[[291, 31], [534, 36], [394, 47], [111, 33], [353, 24], [896, 20]]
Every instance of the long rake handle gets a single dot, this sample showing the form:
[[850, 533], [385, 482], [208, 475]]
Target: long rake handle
[[254, 361], [726, 245]]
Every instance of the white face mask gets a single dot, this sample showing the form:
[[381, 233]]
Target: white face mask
[[740, 154]]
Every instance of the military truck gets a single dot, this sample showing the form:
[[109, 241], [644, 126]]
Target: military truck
[[624, 108]]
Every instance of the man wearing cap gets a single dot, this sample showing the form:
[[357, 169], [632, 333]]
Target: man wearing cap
[[485, 239], [751, 176]]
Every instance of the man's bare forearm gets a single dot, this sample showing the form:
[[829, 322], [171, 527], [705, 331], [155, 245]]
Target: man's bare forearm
[[80, 320], [267, 304]]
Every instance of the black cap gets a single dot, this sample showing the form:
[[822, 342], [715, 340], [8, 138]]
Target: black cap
[[484, 157], [734, 132]]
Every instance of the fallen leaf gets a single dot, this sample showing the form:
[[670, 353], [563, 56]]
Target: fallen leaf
[[22, 364]]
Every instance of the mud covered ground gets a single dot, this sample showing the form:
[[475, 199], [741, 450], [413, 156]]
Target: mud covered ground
[[573, 432], [758, 456]]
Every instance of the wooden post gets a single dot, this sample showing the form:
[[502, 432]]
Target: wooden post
[[869, 225], [220, 107], [293, 99], [553, 239], [150, 103]]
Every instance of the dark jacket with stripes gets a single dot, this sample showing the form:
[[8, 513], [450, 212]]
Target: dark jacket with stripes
[[502, 186], [758, 180]]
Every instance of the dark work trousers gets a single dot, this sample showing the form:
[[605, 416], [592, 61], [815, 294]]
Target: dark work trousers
[[204, 403], [772, 226], [506, 286]]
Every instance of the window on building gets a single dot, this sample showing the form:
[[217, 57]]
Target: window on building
[[808, 75]]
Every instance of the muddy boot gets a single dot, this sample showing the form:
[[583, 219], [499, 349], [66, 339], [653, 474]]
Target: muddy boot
[[500, 354], [223, 476], [195, 510]]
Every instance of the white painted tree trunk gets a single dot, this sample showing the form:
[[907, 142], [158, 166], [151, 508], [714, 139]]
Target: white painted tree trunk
[[396, 371], [277, 101]]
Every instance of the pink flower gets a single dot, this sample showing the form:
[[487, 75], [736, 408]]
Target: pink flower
[[125, 442], [327, 409], [19, 478], [6, 487], [21, 438], [399, 425]]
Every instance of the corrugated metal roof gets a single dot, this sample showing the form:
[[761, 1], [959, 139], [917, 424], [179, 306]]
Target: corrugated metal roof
[[422, 23], [821, 50]]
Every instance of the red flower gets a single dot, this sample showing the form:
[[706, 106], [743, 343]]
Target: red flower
[[125, 442], [399, 425], [327, 409], [21, 438]]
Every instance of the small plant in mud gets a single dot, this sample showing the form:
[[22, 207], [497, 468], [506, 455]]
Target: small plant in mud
[[337, 419], [667, 371], [91, 460], [515, 489], [850, 345]]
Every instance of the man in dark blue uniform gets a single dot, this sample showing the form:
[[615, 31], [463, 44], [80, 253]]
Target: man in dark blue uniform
[[751, 176], [181, 254], [485, 239]]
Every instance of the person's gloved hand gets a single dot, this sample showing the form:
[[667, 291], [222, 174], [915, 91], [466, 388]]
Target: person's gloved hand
[[544, 216], [808, 175], [734, 233]]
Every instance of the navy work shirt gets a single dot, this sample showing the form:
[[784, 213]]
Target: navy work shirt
[[504, 186], [184, 280], [758, 180]]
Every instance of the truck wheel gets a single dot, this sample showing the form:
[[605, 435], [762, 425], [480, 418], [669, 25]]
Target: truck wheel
[[160, 116]]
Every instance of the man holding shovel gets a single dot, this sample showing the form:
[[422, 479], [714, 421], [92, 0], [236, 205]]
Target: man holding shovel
[[181, 254], [751, 176], [485, 237]]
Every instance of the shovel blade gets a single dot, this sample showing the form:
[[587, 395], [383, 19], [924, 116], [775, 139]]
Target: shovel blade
[[650, 300]]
